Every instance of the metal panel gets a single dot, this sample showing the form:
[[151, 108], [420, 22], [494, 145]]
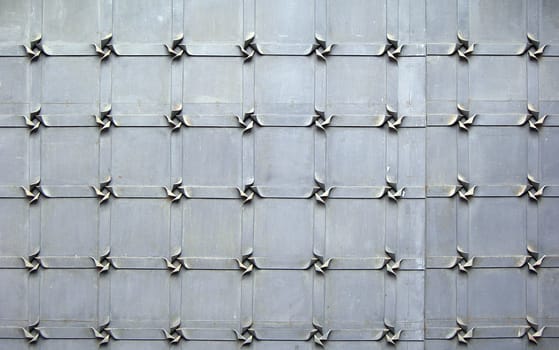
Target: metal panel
[[295, 174]]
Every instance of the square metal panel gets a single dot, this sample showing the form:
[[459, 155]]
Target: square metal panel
[[213, 21], [140, 227], [207, 238], [222, 147], [69, 21], [69, 227]]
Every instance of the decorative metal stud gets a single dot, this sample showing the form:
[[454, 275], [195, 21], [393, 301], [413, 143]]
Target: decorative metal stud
[[172, 335], [320, 121], [248, 191], [462, 333], [463, 47], [104, 119], [246, 262], [320, 265], [393, 49], [390, 262], [31, 332], [176, 120], [34, 120], [34, 191], [175, 49], [533, 260], [35, 48], [390, 334], [464, 189], [105, 48], [104, 262], [463, 119], [392, 119], [32, 262], [103, 333], [249, 115], [173, 264], [317, 333], [104, 191], [532, 118], [465, 262], [534, 189], [174, 193], [245, 334], [321, 193], [391, 189], [320, 48], [246, 49], [533, 47]]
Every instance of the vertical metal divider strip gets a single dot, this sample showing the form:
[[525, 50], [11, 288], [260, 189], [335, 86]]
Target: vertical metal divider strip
[[248, 167], [391, 209], [533, 161], [105, 161], [463, 161], [176, 228], [35, 140], [320, 168]]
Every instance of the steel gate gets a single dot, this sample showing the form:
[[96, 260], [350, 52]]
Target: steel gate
[[279, 174]]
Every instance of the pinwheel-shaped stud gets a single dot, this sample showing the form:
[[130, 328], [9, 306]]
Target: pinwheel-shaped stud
[[465, 262], [392, 191], [463, 119], [462, 333], [245, 262], [533, 260], [532, 118], [34, 191], [392, 119], [104, 191], [247, 120], [320, 265], [104, 119], [321, 121], [463, 47], [247, 193], [174, 193], [32, 262], [321, 49], [321, 193], [172, 335], [172, 263], [533, 47], [246, 48], [393, 49], [390, 262], [105, 48], [103, 333], [390, 334], [176, 120], [464, 189], [31, 332], [533, 331], [34, 120], [245, 334], [34, 49], [175, 50], [318, 335], [104, 262], [534, 189]]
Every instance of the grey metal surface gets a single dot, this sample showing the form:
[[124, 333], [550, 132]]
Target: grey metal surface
[[279, 174]]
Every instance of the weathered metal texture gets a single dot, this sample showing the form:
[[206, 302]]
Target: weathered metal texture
[[294, 174]]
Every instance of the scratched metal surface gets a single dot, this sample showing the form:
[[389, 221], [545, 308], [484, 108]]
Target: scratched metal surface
[[295, 174]]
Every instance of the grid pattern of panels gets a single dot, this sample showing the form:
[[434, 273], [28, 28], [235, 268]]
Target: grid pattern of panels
[[294, 174]]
